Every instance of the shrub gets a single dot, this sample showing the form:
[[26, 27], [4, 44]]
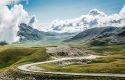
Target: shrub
[[2, 43], [98, 43]]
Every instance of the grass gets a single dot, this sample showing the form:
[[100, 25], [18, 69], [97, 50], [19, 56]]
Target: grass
[[114, 62], [12, 56], [114, 67], [108, 49]]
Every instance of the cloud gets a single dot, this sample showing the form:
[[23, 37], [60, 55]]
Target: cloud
[[95, 12], [32, 21], [94, 18], [9, 21], [12, 2], [11, 18], [7, 2]]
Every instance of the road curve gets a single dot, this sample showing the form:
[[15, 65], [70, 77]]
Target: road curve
[[27, 68]]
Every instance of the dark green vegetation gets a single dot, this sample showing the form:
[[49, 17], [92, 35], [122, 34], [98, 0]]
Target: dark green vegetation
[[2, 43], [108, 49], [98, 43]]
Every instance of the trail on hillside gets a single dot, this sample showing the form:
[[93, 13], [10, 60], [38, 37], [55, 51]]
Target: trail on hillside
[[34, 68]]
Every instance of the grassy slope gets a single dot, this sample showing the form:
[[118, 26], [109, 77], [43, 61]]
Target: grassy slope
[[112, 63], [20, 55], [11, 56]]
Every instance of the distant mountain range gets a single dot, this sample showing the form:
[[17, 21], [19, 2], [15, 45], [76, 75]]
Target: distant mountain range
[[28, 33], [116, 37], [112, 35], [92, 33], [108, 34]]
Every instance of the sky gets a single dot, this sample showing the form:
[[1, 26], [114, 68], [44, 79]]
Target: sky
[[62, 16], [49, 10]]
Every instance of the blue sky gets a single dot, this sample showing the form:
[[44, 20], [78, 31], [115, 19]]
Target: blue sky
[[48, 10]]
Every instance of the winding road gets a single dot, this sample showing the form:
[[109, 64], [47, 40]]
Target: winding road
[[33, 68]]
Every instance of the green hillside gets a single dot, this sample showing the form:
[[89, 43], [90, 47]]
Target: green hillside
[[112, 62], [17, 55]]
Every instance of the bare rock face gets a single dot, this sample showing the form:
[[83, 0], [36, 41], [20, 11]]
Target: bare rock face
[[65, 51], [27, 33], [93, 33], [118, 37]]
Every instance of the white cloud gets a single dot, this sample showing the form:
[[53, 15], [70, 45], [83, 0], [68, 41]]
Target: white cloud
[[95, 12], [12, 2], [94, 18], [9, 21], [11, 18], [6, 2]]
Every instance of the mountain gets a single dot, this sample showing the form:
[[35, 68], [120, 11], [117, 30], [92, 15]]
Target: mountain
[[118, 37], [26, 32], [101, 36], [92, 33], [98, 35]]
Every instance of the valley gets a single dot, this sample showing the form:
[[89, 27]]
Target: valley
[[96, 53], [96, 61], [62, 39]]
